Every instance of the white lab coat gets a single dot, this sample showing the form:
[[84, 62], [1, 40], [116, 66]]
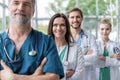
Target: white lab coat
[[88, 42], [75, 62], [114, 64]]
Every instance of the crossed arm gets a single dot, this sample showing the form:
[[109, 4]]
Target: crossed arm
[[115, 56], [7, 74]]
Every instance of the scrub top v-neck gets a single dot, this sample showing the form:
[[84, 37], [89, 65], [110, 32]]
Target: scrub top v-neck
[[43, 45]]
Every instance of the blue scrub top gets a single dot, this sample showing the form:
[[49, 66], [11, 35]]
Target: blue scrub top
[[43, 44]]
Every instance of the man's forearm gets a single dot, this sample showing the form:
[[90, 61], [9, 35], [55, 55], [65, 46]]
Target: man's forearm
[[48, 76]]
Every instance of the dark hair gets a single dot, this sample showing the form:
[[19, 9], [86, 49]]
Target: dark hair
[[75, 9], [50, 26]]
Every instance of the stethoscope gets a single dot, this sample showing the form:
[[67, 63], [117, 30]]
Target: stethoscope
[[31, 53], [83, 37], [116, 50], [66, 62]]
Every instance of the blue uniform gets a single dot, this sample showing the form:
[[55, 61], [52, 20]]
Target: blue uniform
[[25, 64]]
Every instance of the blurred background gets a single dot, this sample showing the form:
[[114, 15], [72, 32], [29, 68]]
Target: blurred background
[[93, 10]]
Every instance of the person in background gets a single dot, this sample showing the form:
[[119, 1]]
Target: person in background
[[109, 53], [22, 48], [70, 54], [85, 39]]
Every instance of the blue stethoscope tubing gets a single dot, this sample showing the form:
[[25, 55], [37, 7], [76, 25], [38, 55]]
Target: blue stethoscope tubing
[[82, 34]]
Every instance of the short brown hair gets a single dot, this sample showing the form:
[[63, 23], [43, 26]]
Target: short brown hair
[[75, 9]]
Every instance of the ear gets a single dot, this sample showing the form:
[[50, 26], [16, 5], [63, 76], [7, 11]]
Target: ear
[[111, 30], [33, 11], [82, 19]]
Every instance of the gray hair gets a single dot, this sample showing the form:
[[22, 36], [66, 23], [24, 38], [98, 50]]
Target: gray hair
[[33, 3]]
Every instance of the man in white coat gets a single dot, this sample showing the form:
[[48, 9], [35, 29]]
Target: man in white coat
[[86, 40]]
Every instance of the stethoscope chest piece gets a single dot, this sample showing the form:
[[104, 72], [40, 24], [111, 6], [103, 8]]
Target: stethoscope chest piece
[[32, 53], [66, 63]]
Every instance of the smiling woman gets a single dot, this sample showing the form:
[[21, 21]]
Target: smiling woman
[[108, 60], [70, 54]]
